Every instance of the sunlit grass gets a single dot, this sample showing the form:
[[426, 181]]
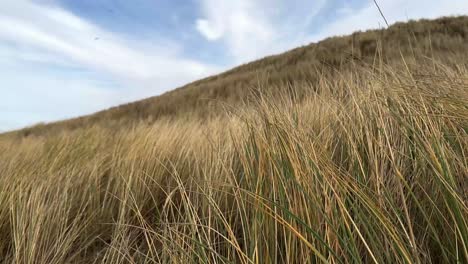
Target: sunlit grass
[[368, 167]]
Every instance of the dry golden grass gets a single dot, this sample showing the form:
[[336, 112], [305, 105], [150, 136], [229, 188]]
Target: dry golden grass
[[369, 166]]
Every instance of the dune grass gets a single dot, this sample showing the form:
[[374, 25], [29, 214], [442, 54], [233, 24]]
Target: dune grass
[[367, 167]]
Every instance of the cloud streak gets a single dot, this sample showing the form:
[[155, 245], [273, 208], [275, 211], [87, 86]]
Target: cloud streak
[[46, 36], [52, 29], [252, 29]]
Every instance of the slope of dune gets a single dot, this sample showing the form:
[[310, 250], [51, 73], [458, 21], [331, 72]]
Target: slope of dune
[[439, 39]]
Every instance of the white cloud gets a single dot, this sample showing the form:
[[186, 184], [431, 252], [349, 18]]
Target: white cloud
[[55, 30], [251, 29], [209, 31], [44, 35]]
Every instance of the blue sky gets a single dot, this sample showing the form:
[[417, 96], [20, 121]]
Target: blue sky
[[65, 58]]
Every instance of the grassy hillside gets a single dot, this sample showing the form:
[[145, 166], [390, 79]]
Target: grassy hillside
[[437, 39], [345, 158]]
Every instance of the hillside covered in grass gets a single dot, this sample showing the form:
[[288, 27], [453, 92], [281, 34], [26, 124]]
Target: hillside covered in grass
[[440, 39], [353, 150]]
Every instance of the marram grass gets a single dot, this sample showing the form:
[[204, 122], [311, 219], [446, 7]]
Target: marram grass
[[368, 167]]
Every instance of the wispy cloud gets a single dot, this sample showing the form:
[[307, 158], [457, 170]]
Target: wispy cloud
[[254, 28], [48, 36], [52, 29]]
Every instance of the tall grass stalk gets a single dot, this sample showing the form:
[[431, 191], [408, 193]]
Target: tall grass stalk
[[367, 167]]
